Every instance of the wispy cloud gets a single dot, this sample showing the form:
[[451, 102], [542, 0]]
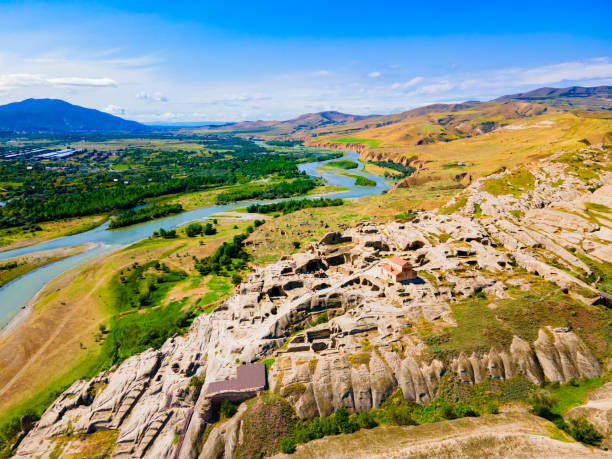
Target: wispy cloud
[[589, 70], [77, 81], [114, 110], [374, 74], [442, 86], [413, 82], [151, 97], [20, 80]]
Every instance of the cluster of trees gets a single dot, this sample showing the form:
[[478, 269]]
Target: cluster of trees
[[311, 157], [169, 234], [340, 422], [56, 189], [284, 143], [403, 169], [144, 214], [286, 207], [274, 191], [138, 286], [196, 229], [228, 257]]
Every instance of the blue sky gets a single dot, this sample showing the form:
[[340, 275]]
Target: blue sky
[[224, 61]]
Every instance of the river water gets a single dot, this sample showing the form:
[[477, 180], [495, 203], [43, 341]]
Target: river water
[[19, 292]]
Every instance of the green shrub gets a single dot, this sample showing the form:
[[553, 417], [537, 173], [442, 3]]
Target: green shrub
[[445, 410], [542, 403], [463, 410], [583, 431], [401, 416], [287, 445], [329, 426], [344, 422], [227, 409], [366, 421]]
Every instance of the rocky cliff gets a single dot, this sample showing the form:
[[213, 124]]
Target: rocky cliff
[[365, 343]]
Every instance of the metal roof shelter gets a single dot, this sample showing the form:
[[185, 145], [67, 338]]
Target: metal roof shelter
[[251, 377]]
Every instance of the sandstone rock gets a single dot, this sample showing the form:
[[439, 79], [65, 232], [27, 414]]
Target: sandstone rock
[[564, 356]]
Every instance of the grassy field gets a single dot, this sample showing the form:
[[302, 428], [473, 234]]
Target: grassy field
[[360, 180], [516, 183], [479, 327], [342, 164], [71, 334], [373, 143], [12, 238]]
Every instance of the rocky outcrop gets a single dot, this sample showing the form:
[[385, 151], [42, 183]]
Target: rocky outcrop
[[359, 375], [363, 347], [564, 356], [223, 439]]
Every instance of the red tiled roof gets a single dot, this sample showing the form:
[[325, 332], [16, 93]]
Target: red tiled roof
[[391, 269], [248, 377], [397, 261]]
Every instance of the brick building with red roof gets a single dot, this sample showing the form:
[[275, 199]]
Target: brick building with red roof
[[397, 270]]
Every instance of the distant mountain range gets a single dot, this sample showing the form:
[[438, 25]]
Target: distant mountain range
[[601, 92], [530, 103], [574, 97], [58, 116], [302, 123]]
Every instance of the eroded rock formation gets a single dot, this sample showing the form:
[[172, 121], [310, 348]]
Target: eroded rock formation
[[366, 349]]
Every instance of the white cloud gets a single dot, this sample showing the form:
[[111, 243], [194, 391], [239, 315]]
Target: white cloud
[[152, 97], [442, 86], [76, 81], [407, 84], [578, 71], [374, 74], [599, 68], [20, 80], [114, 110]]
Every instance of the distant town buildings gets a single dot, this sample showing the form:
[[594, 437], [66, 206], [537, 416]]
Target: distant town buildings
[[397, 270]]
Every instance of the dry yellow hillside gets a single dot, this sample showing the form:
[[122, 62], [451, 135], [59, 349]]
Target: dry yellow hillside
[[515, 138]]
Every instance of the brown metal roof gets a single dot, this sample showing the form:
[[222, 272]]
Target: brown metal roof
[[248, 377]]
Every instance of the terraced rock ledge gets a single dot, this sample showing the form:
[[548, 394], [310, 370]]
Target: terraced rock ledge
[[342, 335]]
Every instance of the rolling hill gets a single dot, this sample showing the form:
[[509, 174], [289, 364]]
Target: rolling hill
[[509, 130], [587, 98], [301, 125], [58, 116]]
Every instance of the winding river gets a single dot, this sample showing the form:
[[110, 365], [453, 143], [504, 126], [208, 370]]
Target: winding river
[[19, 292]]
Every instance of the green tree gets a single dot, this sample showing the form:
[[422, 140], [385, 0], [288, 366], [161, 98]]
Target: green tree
[[193, 229]]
